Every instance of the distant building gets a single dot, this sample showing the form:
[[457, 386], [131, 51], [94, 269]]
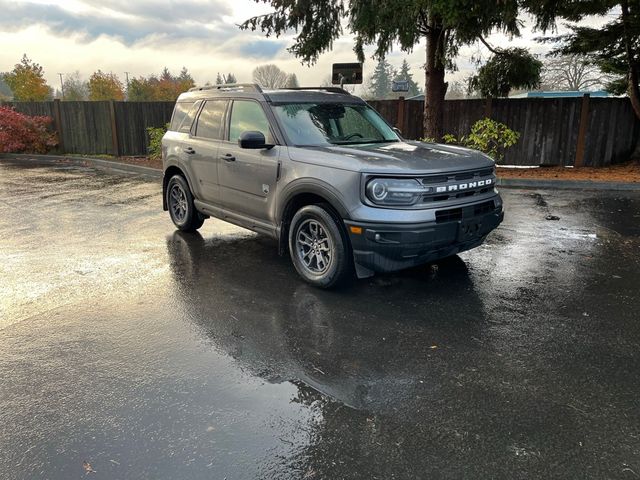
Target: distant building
[[560, 94]]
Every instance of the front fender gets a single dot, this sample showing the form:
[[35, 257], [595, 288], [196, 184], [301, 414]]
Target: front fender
[[316, 187]]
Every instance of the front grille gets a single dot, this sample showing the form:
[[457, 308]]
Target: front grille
[[431, 180], [464, 176], [450, 215], [460, 213], [482, 208], [458, 185]]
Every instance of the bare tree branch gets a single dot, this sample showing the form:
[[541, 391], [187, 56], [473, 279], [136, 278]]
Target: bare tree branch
[[270, 76], [572, 72]]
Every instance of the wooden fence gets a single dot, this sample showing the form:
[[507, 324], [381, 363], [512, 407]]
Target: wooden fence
[[94, 128], [553, 131]]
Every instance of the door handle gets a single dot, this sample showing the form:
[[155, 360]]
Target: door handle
[[227, 157], [189, 150]]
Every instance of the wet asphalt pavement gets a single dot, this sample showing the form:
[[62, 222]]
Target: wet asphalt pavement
[[155, 354]]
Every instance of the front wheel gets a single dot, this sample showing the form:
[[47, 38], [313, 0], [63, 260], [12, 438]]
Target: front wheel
[[319, 249], [181, 208]]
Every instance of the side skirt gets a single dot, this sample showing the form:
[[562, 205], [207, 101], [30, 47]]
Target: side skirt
[[237, 219]]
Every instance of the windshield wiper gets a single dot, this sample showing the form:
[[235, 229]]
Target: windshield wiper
[[362, 142]]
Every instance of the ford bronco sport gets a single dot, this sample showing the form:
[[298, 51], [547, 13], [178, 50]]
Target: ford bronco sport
[[321, 172]]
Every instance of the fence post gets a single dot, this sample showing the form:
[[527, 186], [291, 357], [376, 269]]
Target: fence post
[[400, 120], [114, 130], [488, 107], [582, 131], [57, 118]]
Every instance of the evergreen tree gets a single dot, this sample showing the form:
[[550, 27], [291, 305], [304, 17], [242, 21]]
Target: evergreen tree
[[380, 80], [444, 25], [230, 78], [183, 82], [166, 76], [511, 68], [185, 77], [405, 74], [219, 79]]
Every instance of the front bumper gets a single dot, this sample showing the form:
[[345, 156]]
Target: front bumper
[[386, 247]]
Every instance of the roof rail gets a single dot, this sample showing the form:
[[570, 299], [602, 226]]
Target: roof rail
[[326, 89], [229, 86]]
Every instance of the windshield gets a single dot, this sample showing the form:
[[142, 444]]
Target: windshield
[[315, 124]]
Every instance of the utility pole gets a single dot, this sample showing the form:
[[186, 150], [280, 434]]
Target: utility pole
[[61, 86], [126, 74]]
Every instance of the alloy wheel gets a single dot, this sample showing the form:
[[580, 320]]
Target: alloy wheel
[[314, 246], [178, 203]]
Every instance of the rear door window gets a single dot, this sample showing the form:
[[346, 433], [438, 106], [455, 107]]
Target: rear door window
[[210, 121]]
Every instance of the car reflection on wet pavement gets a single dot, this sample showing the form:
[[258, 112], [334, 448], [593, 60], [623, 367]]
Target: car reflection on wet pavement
[[151, 353]]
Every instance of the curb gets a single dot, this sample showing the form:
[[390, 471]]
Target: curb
[[119, 167], [107, 165], [567, 184]]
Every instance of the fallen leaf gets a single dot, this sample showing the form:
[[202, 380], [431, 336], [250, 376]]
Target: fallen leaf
[[87, 467]]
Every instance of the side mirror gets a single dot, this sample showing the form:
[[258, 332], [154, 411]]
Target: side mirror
[[397, 130], [253, 140]]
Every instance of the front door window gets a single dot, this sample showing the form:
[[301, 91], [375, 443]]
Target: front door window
[[248, 116]]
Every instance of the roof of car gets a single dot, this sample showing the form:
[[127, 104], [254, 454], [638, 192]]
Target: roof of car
[[311, 95], [286, 95]]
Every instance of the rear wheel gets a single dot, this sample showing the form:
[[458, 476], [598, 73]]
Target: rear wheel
[[181, 208], [318, 246]]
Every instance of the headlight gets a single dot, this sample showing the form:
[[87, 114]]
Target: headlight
[[394, 191]]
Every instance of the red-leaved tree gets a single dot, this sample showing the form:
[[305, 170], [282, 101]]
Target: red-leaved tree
[[20, 133]]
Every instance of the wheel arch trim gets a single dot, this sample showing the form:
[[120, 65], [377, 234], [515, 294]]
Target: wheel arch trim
[[166, 177], [313, 187], [302, 187]]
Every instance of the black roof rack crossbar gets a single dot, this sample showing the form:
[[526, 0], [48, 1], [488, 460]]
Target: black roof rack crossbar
[[229, 86], [327, 89]]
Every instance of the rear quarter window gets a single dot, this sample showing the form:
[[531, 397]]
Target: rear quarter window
[[183, 114]]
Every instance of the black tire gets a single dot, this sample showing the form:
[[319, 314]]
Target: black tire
[[324, 260], [181, 208]]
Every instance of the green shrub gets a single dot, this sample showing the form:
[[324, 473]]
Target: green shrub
[[154, 148], [488, 136]]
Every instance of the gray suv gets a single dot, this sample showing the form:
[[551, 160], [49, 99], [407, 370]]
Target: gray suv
[[321, 172]]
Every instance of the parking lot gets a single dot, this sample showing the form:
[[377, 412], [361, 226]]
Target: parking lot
[[150, 353]]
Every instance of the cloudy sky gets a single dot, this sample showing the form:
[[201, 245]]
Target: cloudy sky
[[143, 36]]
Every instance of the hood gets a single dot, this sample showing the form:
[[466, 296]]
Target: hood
[[394, 157]]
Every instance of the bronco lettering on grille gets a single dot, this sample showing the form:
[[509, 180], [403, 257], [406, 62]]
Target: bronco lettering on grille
[[464, 186]]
